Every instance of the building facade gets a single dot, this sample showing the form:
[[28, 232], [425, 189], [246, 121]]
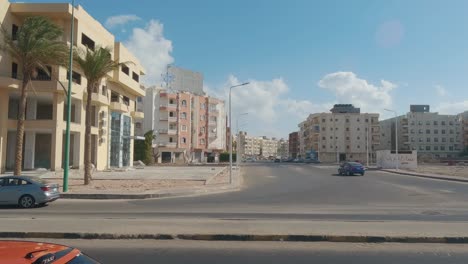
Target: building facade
[[249, 147], [463, 117], [188, 127], [113, 102], [432, 135], [344, 134], [185, 80], [283, 148], [294, 145], [268, 147]]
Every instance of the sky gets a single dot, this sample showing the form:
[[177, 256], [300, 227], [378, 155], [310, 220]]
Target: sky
[[302, 56]]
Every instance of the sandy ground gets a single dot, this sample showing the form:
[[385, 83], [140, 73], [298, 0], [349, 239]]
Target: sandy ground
[[461, 171]]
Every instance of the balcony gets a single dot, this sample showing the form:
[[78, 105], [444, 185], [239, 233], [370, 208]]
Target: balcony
[[168, 144], [171, 131], [99, 99], [172, 119], [212, 123], [119, 107], [138, 115], [163, 118], [166, 107]]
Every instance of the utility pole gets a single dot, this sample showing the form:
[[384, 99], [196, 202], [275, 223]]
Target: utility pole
[[66, 165]]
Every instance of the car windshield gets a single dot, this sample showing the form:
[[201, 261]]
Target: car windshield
[[82, 259], [355, 164]]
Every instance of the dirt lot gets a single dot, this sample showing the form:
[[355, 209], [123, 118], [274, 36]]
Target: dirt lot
[[443, 169]]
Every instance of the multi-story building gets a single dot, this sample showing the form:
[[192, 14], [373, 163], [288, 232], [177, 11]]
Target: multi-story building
[[113, 110], [432, 135], [188, 127], [185, 80], [463, 117], [343, 134], [269, 147], [283, 148], [249, 147], [294, 145]]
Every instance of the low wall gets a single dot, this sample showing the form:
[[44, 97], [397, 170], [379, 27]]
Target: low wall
[[387, 160]]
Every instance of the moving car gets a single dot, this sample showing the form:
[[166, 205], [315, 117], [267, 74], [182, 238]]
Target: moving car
[[27, 191], [16, 252], [351, 168]]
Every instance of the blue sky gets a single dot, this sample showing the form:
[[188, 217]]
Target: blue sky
[[302, 56]]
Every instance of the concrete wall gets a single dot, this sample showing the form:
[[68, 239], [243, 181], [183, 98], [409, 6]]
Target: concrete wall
[[387, 160]]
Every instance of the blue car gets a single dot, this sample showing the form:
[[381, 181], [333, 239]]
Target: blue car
[[351, 168]]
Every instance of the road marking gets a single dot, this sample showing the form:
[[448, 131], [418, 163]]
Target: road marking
[[270, 176]]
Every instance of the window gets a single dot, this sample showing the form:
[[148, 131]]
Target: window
[[183, 115], [104, 90], [88, 42], [183, 128], [171, 114], [125, 70], [44, 111], [450, 148], [323, 120], [428, 131], [451, 140], [347, 129], [336, 120], [443, 131], [358, 147], [76, 77], [139, 99], [347, 120], [412, 123], [442, 148], [323, 128], [324, 138], [202, 141], [114, 97], [436, 140], [451, 131], [444, 140], [184, 103], [428, 148], [171, 140], [420, 140], [347, 147], [14, 32], [428, 139], [367, 120], [421, 147], [443, 123], [420, 131], [359, 120], [428, 123], [331, 120], [412, 131], [138, 125], [331, 137], [436, 123], [43, 75], [347, 138], [14, 70], [436, 131], [436, 148], [202, 105], [126, 100], [135, 77], [202, 117], [202, 129], [323, 146], [420, 123], [412, 139], [358, 129], [451, 123]]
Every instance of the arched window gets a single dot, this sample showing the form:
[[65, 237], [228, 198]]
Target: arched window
[[184, 103]]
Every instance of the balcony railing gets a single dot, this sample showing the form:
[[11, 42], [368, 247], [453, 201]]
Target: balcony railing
[[168, 144], [172, 119]]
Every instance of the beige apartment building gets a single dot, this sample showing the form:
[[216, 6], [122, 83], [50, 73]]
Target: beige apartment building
[[249, 147], [344, 134], [188, 127], [432, 135], [113, 114], [283, 148], [269, 147]]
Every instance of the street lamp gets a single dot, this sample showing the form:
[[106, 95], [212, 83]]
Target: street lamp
[[230, 129], [396, 136], [238, 138], [66, 165]]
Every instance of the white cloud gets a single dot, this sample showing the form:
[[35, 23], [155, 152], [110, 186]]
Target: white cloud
[[114, 21], [452, 108], [441, 91], [348, 88], [152, 49]]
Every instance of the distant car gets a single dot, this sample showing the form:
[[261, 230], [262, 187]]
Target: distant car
[[351, 168], [27, 191], [277, 160], [308, 160], [43, 253]]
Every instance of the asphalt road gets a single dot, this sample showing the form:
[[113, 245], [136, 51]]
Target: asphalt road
[[289, 191], [147, 251]]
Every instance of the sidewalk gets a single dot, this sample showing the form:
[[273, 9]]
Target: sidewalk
[[234, 230], [427, 175]]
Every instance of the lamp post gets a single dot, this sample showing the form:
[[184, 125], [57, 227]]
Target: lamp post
[[66, 165], [396, 137], [230, 129], [238, 138]]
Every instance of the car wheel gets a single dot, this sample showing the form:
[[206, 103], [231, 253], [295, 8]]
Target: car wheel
[[26, 201]]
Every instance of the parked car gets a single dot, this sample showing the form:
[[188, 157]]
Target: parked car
[[43, 253], [27, 191], [351, 168], [309, 160], [277, 160]]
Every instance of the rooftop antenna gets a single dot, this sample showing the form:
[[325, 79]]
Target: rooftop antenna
[[168, 78]]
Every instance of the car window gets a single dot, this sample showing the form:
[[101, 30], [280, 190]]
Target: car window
[[23, 182], [11, 182]]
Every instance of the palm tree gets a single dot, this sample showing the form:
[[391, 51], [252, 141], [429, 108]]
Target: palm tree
[[95, 65], [35, 45]]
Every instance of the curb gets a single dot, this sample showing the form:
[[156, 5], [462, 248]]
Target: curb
[[235, 186], [425, 176], [240, 237]]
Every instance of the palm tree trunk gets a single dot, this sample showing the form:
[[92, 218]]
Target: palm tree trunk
[[87, 145], [20, 125]]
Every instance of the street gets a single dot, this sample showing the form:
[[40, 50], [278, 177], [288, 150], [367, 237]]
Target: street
[[147, 251], [287, 191]]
